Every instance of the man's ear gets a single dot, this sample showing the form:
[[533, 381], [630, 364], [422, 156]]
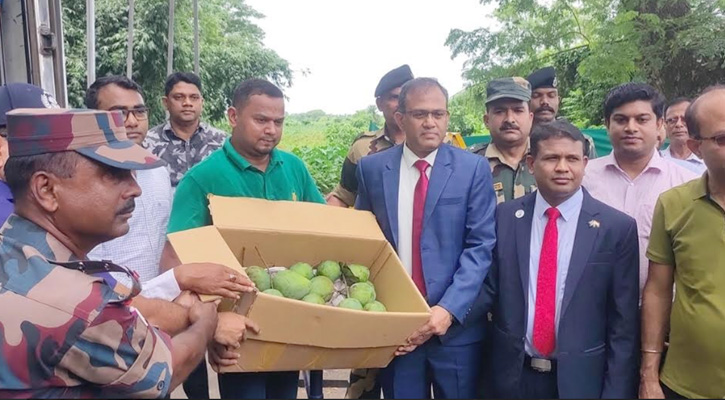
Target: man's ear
[[232, 116], [43, 188], [694, 146], [530, 163], [398, 119], [165, 102]]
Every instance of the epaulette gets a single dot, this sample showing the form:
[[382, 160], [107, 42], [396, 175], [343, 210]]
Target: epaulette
[[89, 267], [478, 147]]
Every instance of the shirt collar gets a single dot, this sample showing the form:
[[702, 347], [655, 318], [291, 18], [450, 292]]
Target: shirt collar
[[168, 132], [692, 157], [410, 158], [699, 188], [568, 209], [241, 162], [657, 162], [492, 151]]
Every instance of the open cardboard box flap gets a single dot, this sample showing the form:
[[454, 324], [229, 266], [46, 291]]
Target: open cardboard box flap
[[292, 217], [260, 232]]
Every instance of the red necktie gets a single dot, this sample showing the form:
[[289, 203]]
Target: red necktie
[[421, 190], [545, 312]]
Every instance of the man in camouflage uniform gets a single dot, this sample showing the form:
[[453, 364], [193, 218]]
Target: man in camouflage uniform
[[183, 141], [509, 120], [67, 328], [386, 98], [545, 101]]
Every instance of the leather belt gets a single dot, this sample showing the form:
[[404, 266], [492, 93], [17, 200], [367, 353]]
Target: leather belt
[[542, 365]]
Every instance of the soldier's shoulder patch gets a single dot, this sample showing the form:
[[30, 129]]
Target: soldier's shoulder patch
[[479, 148]]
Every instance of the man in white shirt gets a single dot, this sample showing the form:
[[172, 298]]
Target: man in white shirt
[[676, 130], [144, 248]]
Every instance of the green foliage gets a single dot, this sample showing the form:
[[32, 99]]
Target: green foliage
[[467, 109], [322, 141], [231, 48], [676, 45]]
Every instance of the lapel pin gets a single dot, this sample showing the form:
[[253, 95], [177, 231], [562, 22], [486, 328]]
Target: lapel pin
[[594, 223], [519, 213]]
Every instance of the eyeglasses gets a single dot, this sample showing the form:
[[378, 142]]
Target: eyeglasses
[[423, 114], [719, 139], [673, 120], [140, 113]]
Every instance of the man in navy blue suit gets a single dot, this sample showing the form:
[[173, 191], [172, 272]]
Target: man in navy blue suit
[[435, 205], [563, 287]]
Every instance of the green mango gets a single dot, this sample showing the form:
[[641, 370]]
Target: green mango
[[355, 273], [330, 269], [260, 277], [323, 286], [314, 298], [273, 292], [364, 292], [352, 304], [291, 284], [375, 306], [303, 269]]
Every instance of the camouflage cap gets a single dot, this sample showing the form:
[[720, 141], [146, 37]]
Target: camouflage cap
[[508, 88], [99, 135]]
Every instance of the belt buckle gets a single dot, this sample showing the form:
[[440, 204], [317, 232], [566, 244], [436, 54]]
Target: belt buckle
[[540, 364]]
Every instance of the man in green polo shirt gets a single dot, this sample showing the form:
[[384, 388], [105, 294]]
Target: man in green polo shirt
[[687, 247], [247, 165]]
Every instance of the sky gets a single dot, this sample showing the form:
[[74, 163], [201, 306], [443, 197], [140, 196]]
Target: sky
[[346, 46]]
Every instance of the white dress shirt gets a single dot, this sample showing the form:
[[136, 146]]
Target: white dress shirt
[[140, 249], [566, 225], [409, 175], [692, 162]]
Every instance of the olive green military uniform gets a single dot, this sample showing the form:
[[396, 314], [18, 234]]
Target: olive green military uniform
[[365, 144], [509, 181]]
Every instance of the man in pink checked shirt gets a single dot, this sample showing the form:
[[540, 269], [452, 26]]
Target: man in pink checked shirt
[[634, 175]]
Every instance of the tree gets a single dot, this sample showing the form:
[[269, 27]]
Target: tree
[[231, 48], [676, 45]]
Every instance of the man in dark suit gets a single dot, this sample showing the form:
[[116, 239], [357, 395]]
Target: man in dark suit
[[435, 205], [563, 286]]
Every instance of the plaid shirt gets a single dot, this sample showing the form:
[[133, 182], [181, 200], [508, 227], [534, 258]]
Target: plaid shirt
[[180, 155]]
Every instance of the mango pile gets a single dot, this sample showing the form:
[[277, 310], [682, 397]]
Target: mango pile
[[329, 283]]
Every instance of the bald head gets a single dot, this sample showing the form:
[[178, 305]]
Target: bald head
[[708, 105]]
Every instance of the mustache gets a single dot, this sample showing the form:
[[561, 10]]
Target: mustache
[[128, 207], [545, 108], [509, 126]]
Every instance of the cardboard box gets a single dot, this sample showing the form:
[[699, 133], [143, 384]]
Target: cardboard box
[[296, 335]]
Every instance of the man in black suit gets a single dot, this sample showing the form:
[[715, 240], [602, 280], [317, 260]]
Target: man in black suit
[[563, 286]]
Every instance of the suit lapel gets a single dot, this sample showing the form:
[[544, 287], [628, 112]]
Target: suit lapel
[[584, 241], [438, 179], [523, 240], [391, 184]]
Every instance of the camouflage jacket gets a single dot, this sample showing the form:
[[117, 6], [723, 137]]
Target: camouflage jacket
[[509, 181], [365, 144], [65, 334], [179, 154]]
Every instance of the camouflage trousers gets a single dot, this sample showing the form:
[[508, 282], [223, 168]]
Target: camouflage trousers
[[363, 384]]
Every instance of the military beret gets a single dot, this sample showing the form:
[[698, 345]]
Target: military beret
[[393, 79], [508, 88], [23, 95], [543, 78], [99, 135]]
